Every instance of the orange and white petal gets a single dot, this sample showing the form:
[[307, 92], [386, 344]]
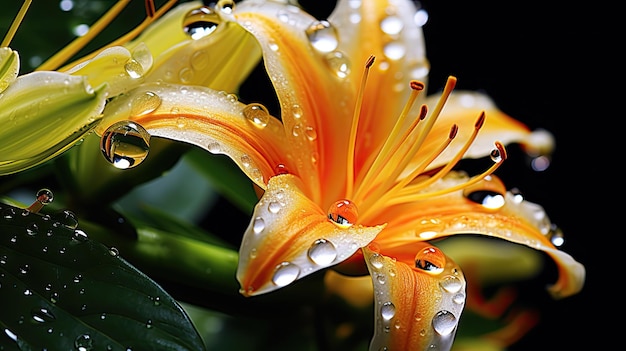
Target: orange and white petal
[[290, 237], [485, 209], [387, 30], [212, 120], [316, 103], [419, 296]]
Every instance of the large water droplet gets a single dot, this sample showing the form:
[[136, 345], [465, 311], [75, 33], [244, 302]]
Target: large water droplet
[[323, 36], [431, 260], [134, 69], [391, 25], [83, 342], [343, 213], [258, 225], [125, 144], [257, 114], [444, 322], [200, 22], [387, 310], [226, 6], [322, 252], [145, 103], [285, 274], [377, 260]]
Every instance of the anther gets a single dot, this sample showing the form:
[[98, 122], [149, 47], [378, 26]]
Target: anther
[[480, 121], [453, 130], [416, 85], [370, 61], [150, 9]]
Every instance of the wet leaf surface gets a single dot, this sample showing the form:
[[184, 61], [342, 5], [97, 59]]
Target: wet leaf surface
[[61, 290]]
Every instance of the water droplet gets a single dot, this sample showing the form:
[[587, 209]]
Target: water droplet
[[42, 315], [431, 260], [296, 111], [125, 144], [8, 213], [388, 310], [113, 251], [83, 342], [32, 229], [78, 278], [145, 103], [377, 261], [338, 63], [343, 213], [310, 133], [226, 6], [323, 36], [199, 60], [79, 235], [258, 225], [322, 252], [66, 218], [214, 147], [444, 322], [134, 69], [451, 284], [274, 207], [280, 169], [24, 269], [488, 192], [257, 114], [200, 22], [394, 50], [285, 274], [45, 196], [141, 54], [459, 298], [557, 238], [496, 155], [391, 25]]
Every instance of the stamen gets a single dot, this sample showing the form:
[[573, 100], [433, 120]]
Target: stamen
[[16, 23], [354, 128], [70, 50], [150, 10], [392, 144], [410, 193]]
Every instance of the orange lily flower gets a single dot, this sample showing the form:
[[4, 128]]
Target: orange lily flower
[[358, 173]]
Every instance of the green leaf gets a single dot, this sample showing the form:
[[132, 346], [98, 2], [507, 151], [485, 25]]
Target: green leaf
[[61, 290]]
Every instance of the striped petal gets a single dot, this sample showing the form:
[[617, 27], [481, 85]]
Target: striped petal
[[290, 237], [419, 295], [485, 208], [210, 119]]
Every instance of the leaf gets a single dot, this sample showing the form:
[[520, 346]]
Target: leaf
[[61, 290]]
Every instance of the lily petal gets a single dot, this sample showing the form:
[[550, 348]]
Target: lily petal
[[295, 236], [513, 219], [52, 110], [179, 112], [9, 67], [418, 302], [194, 44]]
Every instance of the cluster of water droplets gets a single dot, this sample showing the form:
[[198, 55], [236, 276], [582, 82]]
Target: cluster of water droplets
[[450, 297]]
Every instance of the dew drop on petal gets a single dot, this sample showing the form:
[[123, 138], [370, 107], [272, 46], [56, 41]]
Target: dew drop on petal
[[258, 225], [134, 69], [377, 261], [391, 25], [489, 192], [226, 6], [338, 63], [145, 103], [430, 260], [444, 322], [322, 36], [257, 114], [322, 252], [285, 274], [200, 22], [344, 213], [388, 310], [125, 144], [451, 284]]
